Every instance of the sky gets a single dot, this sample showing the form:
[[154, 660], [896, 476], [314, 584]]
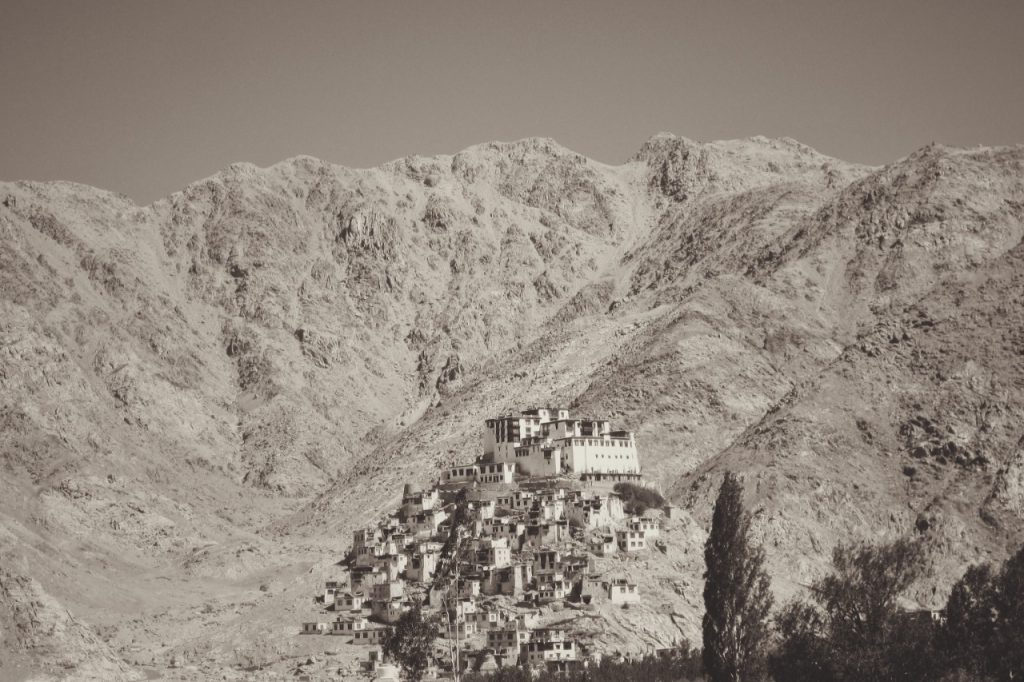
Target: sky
[[142, 97]]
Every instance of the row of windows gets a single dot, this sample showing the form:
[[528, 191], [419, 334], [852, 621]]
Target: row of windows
[[600, 441]]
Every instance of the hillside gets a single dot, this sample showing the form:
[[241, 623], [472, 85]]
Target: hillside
[[202, 397]]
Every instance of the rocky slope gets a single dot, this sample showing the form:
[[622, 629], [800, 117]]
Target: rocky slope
[[200, 395]]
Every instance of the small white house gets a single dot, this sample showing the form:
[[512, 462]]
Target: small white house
[[347, 601], [621, 591]]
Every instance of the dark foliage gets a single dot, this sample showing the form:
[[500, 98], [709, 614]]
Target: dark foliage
[[636, 499], [803, 651], [450, 550], [983, 636], [855, 630], [737, 595], [410, 642]]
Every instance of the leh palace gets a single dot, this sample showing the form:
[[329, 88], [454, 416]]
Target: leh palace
[[500, 547]]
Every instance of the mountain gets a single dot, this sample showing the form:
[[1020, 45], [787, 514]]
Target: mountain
[[201, 398]]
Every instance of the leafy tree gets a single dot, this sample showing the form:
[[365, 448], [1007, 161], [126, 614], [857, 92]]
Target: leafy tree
[[984, 630], [855, 629], [866, 626], [737, 595], [803, 652], [410, 642], [1011, 611], [970, 627]]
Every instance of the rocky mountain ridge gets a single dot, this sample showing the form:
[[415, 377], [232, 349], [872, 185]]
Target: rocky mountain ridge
[[222, 384]]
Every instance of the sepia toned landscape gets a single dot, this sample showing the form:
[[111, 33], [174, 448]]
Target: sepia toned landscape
[[205, 397], [391, 341]]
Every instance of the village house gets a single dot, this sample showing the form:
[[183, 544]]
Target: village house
[[630, 540], [347, 601], [415, 501], [428, 547], [394, 565], [545, 533], [331, 588], [488, 619], [422, 566], [484, 509], [468, 587], [511, 530], [494, 553], [547, 561], [348, 626], [465, 629], [365, 537], [366, 555], [553, 588], [595, 512], [546, 646], [645, 524], [603, 544], [425, 523], [576, 564], [464, 608], [518, 500], [548, 510], [509, 637], [511, 580], [315, 628], [370, 635], [387, 590], [621, 591], [363, 578], [388, 611]]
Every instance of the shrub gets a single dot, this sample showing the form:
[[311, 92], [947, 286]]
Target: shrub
[[636, 499]]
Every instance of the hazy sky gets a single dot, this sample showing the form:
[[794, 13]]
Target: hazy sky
[[142, 97]]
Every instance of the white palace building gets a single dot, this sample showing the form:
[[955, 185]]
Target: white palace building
[[545, 442]]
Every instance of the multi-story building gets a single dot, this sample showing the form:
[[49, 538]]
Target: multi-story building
[[415, 501], [480, 472], [547, 561], [346, 601], [631, 540], [332, 588], [503, 434], [494, 553], [544, 649], [649, 526], [547, 442], [388, 590], [511, 636], [422, 566]]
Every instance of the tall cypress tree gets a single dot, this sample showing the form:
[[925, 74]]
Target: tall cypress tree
[[737, 594]]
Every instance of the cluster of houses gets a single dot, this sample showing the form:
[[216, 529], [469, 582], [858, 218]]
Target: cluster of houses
[[492, 545]]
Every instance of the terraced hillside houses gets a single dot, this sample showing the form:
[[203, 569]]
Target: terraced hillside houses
[[500, 547]]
